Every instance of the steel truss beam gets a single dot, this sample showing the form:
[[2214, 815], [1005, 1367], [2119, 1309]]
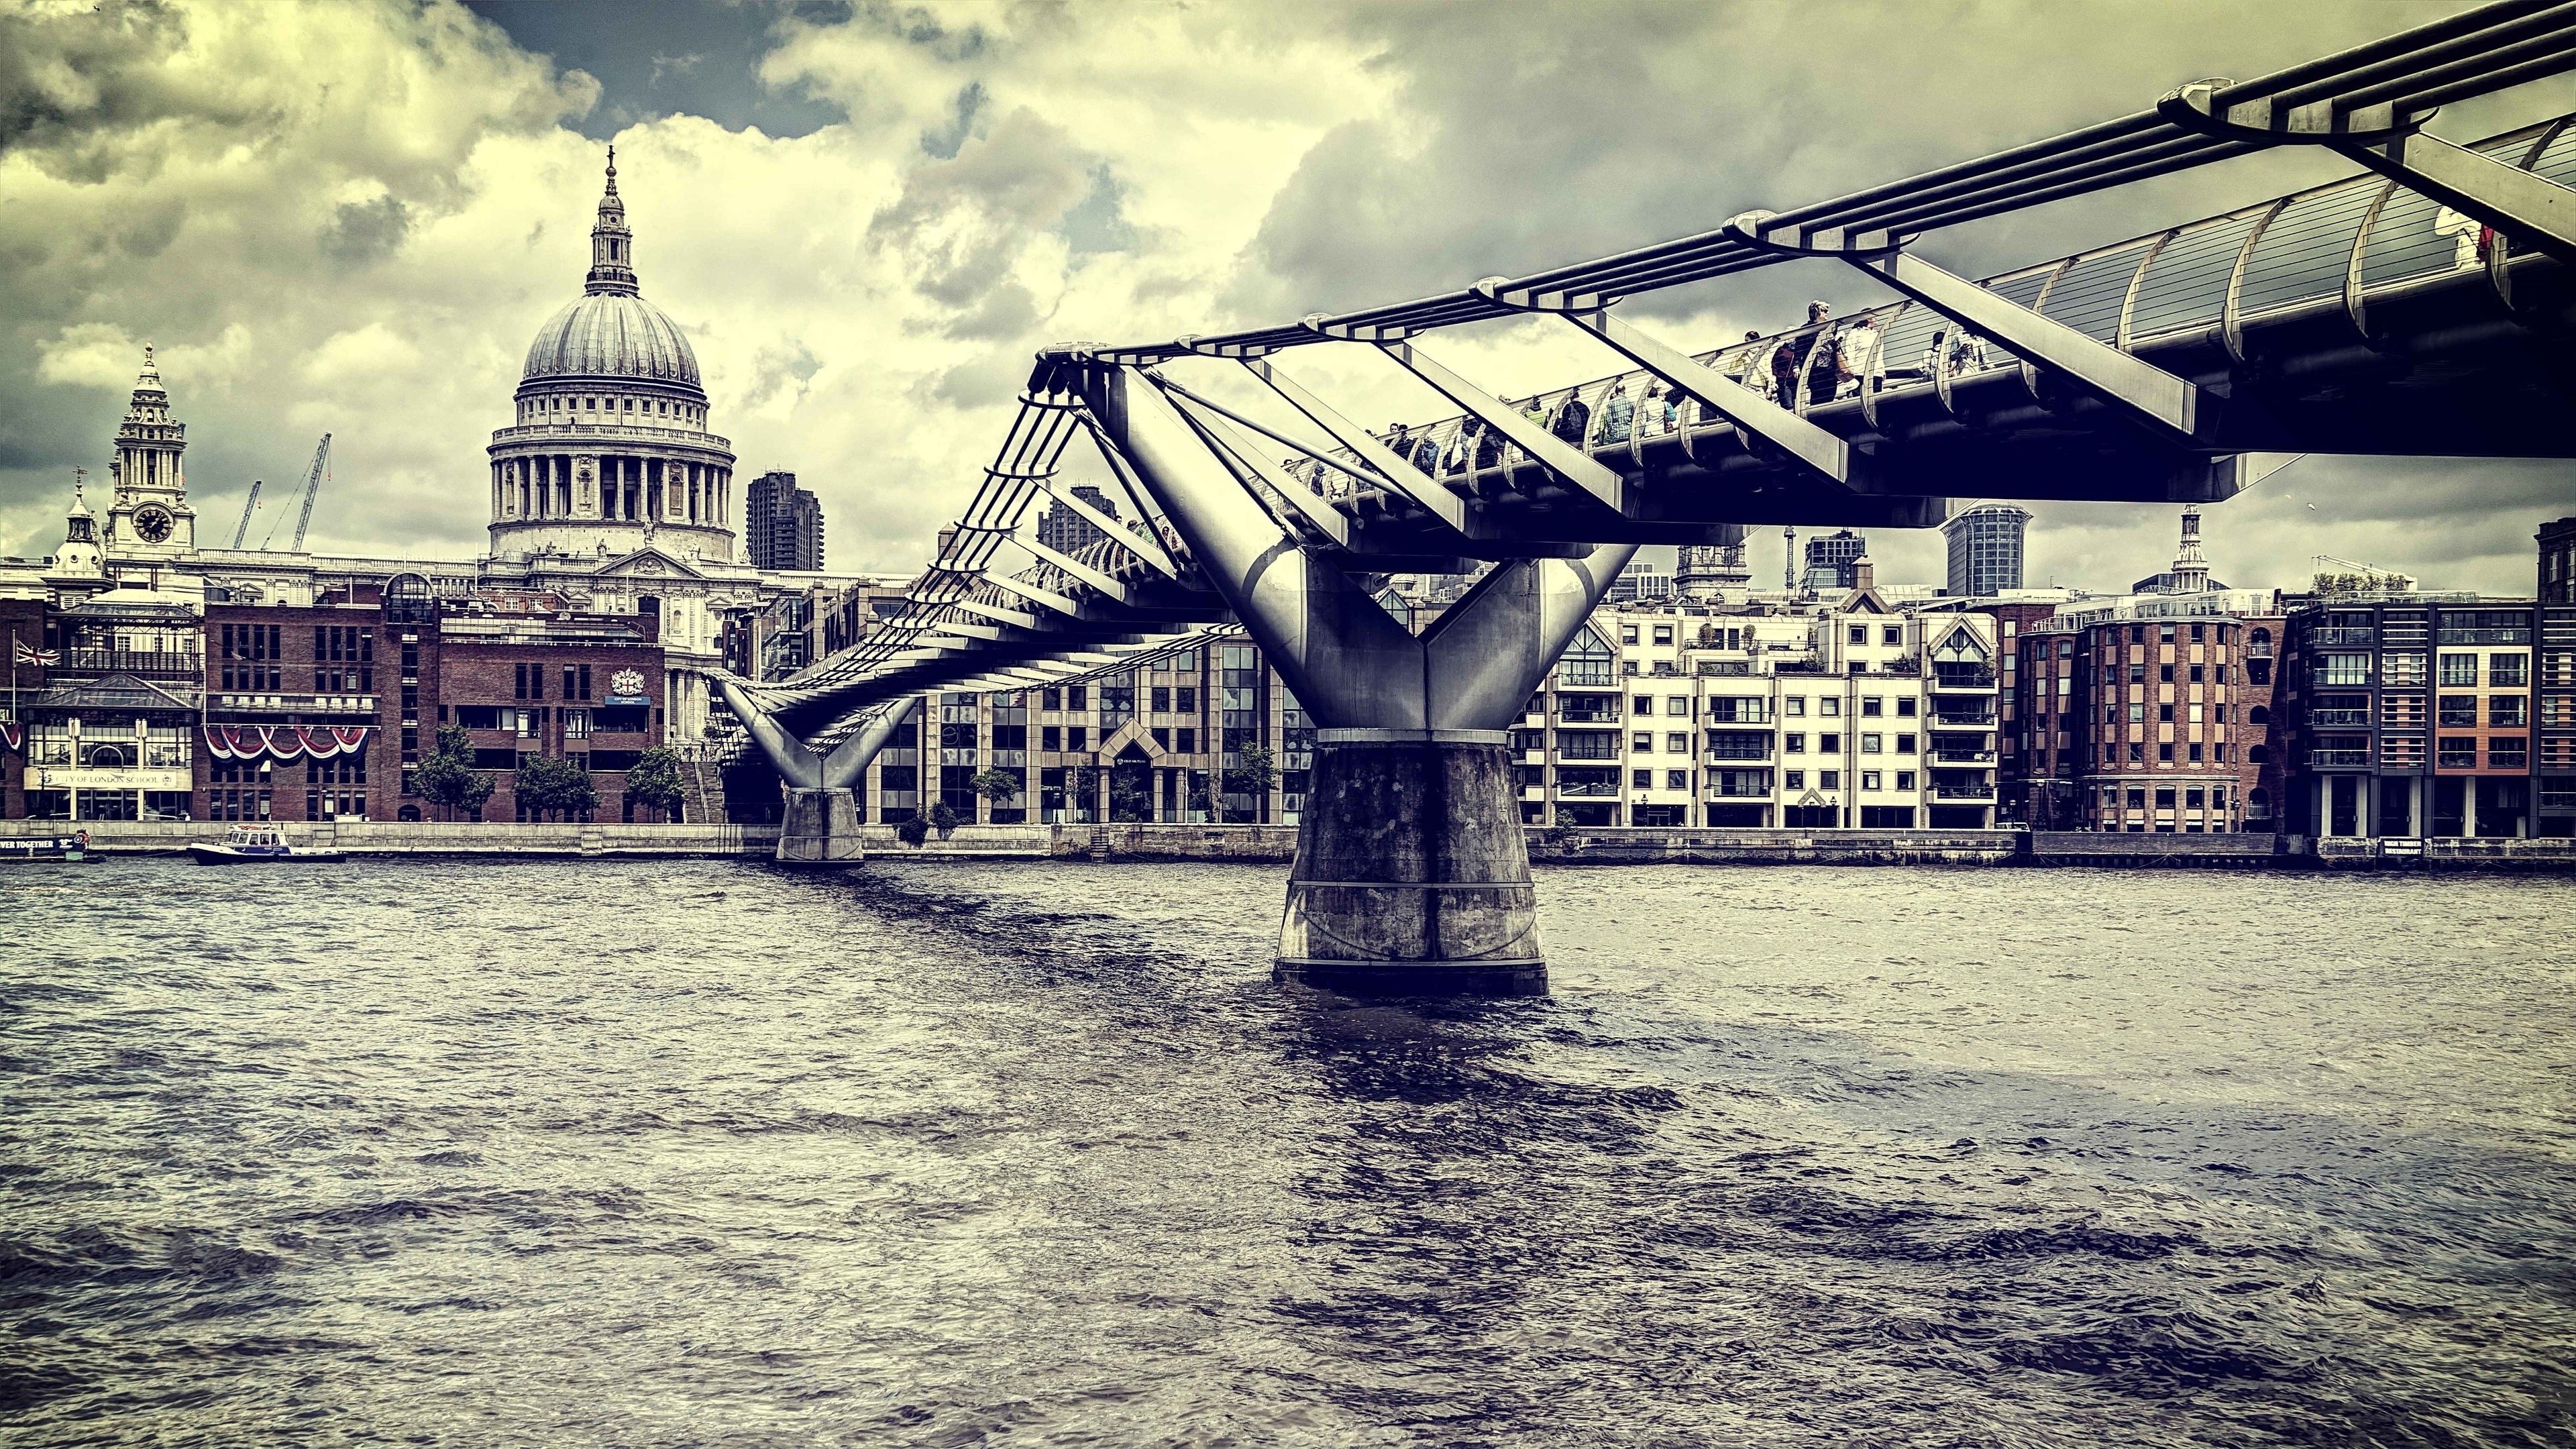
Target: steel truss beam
[[2385, 138], [2167, 404]]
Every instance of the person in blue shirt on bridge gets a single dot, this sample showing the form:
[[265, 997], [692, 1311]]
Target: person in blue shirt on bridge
[[1618, 413]]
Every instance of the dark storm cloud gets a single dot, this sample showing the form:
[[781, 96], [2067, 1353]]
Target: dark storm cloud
[[1578, 129], [367, 231]]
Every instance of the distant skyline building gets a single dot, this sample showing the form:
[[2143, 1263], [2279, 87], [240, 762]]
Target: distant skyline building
[[1640, 580], [2558, 561], [783, 524], [1830, 560], [1065, 531], [1985, 550], [1704, 571], [2190, 571]]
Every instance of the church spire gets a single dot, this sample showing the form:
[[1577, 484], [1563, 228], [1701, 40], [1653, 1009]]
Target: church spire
[[612, 246]]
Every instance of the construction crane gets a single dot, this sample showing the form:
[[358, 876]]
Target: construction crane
[[312, 486], [248, 506]]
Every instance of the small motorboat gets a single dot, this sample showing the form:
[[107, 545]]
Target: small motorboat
[[73, 848], [245, 844]]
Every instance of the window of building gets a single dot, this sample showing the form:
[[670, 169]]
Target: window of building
[[2165, 798], [1641, 744], [2195, 749], [2459, 753], [1905, 779], [2164, 674], [1642, 779], [1829, 779], [2164, 714], [2456, 711], [1794, 706], [1870, 706], [2194, 799], [1159, 698], [1641, 704], [2138, 713], [2509, 711], [1050, 737], [1188, 698], [1051, 698], [1793, 779], [576, 724], [2137, 674], [2509, 671], [1892, 635], [2164, 753], [1677, 779], [1829, 744], [1905, 707], [2138, 797], [2355, 668], [2137, 752], [1871, 744], [1859, 634], [1793, 744], [2508, 752], [1905, 744], [1869, 779], [2165, 633], [1076, 737], [1189, 741], [1663, 633], [2459, 671], [1677, 744], [1831, 706]]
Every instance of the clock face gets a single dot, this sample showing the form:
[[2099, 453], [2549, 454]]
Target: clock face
[[153, 523]]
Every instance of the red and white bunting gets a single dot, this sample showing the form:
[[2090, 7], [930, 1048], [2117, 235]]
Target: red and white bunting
[[285, 742]]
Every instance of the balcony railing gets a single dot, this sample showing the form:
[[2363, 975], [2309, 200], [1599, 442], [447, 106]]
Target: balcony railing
[[1949, 720], [1582, 792], [89, 663], [539, 432], [2343, 635], [1963, 792], [2337, 759], [264, 702], [1962, 676], [2330, 717], [2485, 636], [1963, 757]]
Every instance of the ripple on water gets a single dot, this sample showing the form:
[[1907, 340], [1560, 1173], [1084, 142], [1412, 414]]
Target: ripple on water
[[649, 1153]]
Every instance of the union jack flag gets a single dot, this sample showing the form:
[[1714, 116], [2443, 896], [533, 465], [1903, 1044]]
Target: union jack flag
[[30, 655]]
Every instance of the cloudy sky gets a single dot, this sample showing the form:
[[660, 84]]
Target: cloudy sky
[[351, 217]]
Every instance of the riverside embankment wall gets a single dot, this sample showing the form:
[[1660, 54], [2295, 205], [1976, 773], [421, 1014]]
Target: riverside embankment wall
[[1278, 844]]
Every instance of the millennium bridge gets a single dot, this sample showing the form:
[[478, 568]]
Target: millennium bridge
[[2420, 307]]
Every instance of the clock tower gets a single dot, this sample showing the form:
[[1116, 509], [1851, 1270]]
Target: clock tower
[[150, 514]]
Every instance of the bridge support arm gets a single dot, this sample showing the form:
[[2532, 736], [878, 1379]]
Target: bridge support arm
[[800, 767], [2167, 404], [1823, 452], [850, 759], [2504, 196], [1576, 466], [2386, 138]]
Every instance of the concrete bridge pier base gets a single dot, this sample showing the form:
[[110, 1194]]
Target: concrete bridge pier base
[[1412, 875], [822, 828]]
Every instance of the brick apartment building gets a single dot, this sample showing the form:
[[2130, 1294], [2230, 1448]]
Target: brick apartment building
[[2147, 724], [165, 707]]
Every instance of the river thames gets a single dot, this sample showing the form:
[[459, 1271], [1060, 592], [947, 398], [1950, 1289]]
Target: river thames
[[703, 1153]]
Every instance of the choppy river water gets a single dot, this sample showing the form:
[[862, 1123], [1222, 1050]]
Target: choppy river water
[[701, 1153]]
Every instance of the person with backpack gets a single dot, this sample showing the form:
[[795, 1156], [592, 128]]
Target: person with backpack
[[1571, 419]]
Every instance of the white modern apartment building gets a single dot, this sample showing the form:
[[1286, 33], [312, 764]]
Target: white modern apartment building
[[1854, 715]]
